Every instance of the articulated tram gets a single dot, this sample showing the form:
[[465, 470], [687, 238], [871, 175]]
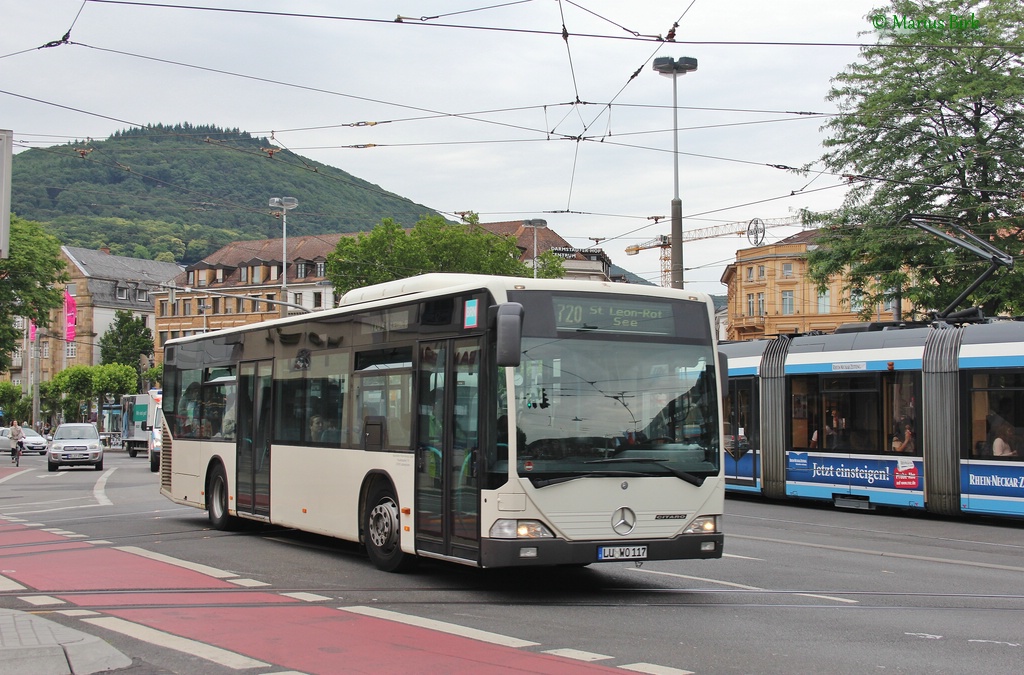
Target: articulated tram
[[924, 417]]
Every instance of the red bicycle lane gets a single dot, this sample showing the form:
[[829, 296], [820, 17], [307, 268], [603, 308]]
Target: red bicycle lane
[[259, 624]]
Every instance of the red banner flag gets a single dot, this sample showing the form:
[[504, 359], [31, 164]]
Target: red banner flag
[[70, 315], [31, 331]]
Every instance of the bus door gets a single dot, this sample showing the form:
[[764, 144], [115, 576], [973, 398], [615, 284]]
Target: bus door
[[252, 444], [448, 448]]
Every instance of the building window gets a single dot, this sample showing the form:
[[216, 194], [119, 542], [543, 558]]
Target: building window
[[142, 295], [186, 308], [787, 302], [760, 271], [44, 349], [72, 350], [787, 269], [301, 270], [750, 304], [220, 274], [71, 289], [243, 274], [122, 293], [297, 298], [239, 305], [19, 323], [255, 305], [750, 274], [163, 338], [321, 269], [216, 305], [825, 302], [760, 304], [856, 300], [191, 278], [257, 275], [318, 299]]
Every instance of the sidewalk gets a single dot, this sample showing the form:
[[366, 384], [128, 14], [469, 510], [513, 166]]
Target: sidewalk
[[32, 644]]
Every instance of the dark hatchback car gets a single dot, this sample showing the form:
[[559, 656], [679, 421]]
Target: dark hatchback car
[[75, 444]]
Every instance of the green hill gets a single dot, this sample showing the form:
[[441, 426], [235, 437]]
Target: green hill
[[188, 190]]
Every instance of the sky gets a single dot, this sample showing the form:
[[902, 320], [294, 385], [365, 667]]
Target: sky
[[475, 105]]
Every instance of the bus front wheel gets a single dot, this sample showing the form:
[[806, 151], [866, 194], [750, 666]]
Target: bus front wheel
[[382, 530], [217, 499]]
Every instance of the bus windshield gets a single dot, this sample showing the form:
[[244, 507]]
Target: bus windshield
[[615, 407]]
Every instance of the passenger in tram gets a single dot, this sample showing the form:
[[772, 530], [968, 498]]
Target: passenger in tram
[[905, 443], [316, 428], [1004, 443]]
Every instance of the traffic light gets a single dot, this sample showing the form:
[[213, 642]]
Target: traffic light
[[544, 398]]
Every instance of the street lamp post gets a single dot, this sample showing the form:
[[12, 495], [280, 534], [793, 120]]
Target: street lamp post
[[284, 203], [673, 68], [539, 222]]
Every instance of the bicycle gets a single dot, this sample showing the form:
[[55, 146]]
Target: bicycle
[[18, 449]]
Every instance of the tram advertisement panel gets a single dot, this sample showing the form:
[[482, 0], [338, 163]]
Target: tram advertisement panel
[[992, 487], [895, 480]]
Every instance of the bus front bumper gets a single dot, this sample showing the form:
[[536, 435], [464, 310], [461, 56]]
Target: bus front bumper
[[550, 552]]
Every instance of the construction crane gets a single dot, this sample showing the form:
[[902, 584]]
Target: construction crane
[[663, 241]]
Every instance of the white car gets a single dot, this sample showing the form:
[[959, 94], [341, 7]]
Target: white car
[[75, 444]]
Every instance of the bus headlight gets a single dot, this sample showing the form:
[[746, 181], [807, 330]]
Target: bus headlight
[[520, 529], [702, 525]]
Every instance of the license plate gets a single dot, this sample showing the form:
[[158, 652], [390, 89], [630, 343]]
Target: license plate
[[622, 553], [78, 455]]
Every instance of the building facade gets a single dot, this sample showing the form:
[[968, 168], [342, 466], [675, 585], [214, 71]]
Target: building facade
[[99, 285], [770, 293], [242, 284]]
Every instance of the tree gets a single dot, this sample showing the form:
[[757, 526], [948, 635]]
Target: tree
[[30, 282], [127, 341], [931, 121], [388, 252], [11, 402], [77, 386]]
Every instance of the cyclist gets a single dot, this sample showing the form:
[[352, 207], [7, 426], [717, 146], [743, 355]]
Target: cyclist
[[17, 442]]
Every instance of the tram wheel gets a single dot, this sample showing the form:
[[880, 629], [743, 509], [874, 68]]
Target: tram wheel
[[382, 529]]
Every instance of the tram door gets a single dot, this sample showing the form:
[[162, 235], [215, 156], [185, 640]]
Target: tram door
[[252, 446], [448, 448]]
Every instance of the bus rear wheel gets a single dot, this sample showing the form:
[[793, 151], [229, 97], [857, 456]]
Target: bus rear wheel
[[382, 529], [217, 499]]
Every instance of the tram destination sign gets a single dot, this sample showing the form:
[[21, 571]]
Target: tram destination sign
[[615, 315]]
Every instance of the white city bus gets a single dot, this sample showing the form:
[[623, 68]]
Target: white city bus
[[487, 421]]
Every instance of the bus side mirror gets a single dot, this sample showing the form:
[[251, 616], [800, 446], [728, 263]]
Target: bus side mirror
[[509, 328]]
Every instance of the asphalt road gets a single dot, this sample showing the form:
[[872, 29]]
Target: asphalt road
[[801, 590]]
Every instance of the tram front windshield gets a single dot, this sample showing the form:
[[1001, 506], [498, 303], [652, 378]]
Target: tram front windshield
[[615, 407]]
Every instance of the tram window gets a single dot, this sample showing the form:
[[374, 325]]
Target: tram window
[[996, 416]]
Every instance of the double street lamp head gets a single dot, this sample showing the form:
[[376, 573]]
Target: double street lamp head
[[283, 203], [666, 65]]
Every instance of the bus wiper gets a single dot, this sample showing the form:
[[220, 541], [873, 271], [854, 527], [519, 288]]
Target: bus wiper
[[544, 482], [690, 478]]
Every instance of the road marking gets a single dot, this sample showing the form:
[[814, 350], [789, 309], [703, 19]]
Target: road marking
[[10, 584], [99, 491], [744, 586], [195, 567], [307, 597], [653, 669], [882, 554], [741, 557], [442, 626], [248, 583], [577, 654], [76, 612], [161, 639], [40, 600]]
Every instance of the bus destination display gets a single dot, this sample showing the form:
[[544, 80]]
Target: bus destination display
[[613, 315]]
